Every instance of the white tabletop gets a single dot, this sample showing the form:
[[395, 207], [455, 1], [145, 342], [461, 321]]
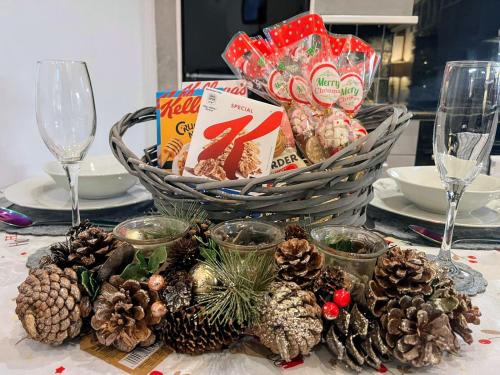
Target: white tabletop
[[29, 357]]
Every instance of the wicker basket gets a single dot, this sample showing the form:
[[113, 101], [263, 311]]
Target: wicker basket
[[334, 191]]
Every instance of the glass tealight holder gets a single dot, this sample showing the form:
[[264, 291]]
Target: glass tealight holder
[[147, 233], [353, 249], [247, 235]]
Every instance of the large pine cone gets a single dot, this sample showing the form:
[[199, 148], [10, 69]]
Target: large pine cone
[[291, 321], [417, 332], [400, 273], [354, 340], [188, 331], [298, 261], [50, 304], [123, 316], [87, 245]]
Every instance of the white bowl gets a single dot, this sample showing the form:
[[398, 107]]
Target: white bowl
[[422, 186], [100, 177]]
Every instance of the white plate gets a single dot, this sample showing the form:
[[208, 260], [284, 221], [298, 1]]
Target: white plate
[[389, 198], [42, 193]]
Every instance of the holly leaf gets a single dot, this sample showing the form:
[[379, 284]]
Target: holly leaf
[[261, 62], [134, 271], [158, 257], [89, 282], [139, 256]]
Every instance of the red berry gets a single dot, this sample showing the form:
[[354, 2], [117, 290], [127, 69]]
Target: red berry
[[330, 310], [342, 297]]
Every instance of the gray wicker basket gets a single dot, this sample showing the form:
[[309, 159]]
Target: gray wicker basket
[[334, 191]]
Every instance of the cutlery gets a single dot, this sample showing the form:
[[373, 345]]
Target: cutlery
[[464, 243], [17, 219]]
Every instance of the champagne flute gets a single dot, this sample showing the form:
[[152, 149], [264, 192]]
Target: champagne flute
[[65, 113], [464, 132]]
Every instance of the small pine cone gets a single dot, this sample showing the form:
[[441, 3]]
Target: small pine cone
[[182, 255], [200, 229], [123, 316], [177, 294], [50, 305], [399, 273], [331, 279], [291, 321], [417, 332], [457, 306], [354, 340], [188, 331], [298, 261], [295, 231]]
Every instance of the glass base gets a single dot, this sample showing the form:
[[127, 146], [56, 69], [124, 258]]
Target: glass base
[[467, 280]]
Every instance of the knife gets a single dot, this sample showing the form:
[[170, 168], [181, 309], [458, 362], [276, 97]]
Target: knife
[[462, 243]]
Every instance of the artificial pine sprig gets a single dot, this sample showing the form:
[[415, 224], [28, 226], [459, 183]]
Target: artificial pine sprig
[[243, 281]]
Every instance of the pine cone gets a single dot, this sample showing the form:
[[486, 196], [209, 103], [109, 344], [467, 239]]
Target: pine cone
[[122, 314], [298, 261], [182, 255], [354, 339], [188, 331], [291, 321], [87, 245], [177, 293], [457, 306], [331, 279], [400, 273], [50, 304], [295, 231], [200, 229], [417, 332]]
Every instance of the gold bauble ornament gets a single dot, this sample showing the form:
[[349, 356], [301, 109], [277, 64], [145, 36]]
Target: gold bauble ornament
[[203, 278]]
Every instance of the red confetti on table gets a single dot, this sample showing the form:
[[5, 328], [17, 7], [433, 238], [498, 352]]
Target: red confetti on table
[[156, 372], [471, 257], [60, 370], [294, 362], [23, 253], [472, 261], [382, 368], [485, 341]]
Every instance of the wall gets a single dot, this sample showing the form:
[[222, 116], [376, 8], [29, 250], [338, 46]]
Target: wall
[[115, 37]]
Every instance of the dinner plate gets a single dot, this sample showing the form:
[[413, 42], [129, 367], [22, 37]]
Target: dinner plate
[[388, 197], [42, 193]]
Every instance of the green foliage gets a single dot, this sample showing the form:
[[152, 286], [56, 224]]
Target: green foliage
[[142, 267], [243, 280], [341, 243], [191, 212], [89, 282]]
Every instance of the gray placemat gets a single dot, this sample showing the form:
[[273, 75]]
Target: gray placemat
[[114, 215], [396, 226]]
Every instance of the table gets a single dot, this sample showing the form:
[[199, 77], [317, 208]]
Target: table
[[19, 356]]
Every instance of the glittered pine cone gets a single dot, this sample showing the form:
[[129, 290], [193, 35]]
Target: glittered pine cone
[[298, 261], [51, 306], [354, 340], [87, 245], [123, 316], [417, 332], [291, 321], [177, 293], [295, 231], [399, 273], [188, 331]]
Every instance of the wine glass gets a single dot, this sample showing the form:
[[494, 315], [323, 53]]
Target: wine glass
[[65, 113], [464, 132]]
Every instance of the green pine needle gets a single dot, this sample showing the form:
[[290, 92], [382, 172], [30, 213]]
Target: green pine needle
[[190, 211], [243, 281]]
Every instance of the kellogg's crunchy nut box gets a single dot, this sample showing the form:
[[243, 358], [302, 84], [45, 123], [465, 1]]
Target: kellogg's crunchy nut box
[[234, 137]]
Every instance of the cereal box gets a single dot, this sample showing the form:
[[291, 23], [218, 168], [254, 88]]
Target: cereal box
[[176, 116], [234, 137], [233, 86]]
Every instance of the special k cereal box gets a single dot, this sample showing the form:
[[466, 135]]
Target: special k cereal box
[[234, 137], [232, 86], [176, 116]]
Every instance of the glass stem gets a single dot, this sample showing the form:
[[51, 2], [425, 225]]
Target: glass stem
[[454, 193], [72, 170]]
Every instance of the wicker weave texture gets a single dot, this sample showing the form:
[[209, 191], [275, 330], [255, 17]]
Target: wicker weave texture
[[336, 190]]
